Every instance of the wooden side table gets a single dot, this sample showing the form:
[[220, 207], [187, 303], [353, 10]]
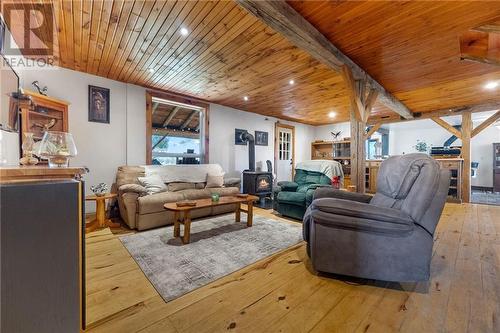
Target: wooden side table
[[100, 220]]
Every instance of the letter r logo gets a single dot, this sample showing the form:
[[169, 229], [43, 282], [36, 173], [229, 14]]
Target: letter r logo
[[32, 28]]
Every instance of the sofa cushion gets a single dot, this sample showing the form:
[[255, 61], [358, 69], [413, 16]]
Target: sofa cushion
[[292, 198], [179, 186], [195, 194], [214, 180], [154, 202], [224, 191], [153, 184]]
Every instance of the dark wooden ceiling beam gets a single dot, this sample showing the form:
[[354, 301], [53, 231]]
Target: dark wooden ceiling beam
[[438, 113], [285, 20]]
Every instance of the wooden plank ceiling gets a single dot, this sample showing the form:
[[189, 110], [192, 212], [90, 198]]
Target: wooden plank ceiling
[[411, 48]]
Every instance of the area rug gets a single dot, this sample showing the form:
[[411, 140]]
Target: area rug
[[218, 247]]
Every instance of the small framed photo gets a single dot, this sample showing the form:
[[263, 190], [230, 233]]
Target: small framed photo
[[261, 138], [98, 104], [238, 137]]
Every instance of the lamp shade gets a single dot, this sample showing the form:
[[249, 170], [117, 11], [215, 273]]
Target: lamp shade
[[57, 147]]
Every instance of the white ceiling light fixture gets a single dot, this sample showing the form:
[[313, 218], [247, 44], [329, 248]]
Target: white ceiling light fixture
[[491, 85], [184, 31], [332, 114], [245, 98], [151, 70], [291, 82]]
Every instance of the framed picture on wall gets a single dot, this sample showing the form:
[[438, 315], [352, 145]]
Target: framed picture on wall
[[98, 104], [238, 137], [261, 138]]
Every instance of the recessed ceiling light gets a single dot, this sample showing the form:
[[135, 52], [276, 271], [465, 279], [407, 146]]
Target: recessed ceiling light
[[332, 114], [245, 98], [291, 82], [184, 31], [491, 85], [151, 70]]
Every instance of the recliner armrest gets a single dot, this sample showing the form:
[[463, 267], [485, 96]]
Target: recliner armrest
[[288, 186], [348, 214], [329, 192], [316, 186]]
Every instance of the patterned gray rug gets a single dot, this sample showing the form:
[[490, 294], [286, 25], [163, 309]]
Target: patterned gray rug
[[218, 247]]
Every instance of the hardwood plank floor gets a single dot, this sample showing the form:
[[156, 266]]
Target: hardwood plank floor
[[282, 293]]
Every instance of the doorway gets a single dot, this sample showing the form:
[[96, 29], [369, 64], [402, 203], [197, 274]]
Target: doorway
[[284, 152]]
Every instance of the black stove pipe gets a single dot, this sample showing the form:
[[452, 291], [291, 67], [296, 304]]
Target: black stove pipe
[[251, 150]]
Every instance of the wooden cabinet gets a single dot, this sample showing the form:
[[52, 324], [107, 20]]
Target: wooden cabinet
[[455, 165], [372, 167], [42, 250], [41, 113]]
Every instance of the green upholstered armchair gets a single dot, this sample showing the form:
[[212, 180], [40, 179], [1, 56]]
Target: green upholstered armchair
[[292, 198]]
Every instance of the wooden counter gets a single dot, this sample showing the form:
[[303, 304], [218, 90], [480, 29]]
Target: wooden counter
[[17, 173], [455, 165]]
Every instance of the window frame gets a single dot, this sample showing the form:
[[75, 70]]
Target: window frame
[[204, 136]]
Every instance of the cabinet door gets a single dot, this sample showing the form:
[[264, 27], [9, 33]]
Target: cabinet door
[[40, 253]]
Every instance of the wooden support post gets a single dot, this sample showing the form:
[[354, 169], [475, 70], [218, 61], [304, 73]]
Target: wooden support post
[[466, 155], [358, 154]]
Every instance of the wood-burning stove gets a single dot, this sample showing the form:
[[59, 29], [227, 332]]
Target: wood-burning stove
[[259, 183]]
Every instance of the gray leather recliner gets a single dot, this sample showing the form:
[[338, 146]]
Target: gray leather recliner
[[385, 237]]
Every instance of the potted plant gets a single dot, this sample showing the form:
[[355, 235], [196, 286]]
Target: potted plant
[[422, 147]]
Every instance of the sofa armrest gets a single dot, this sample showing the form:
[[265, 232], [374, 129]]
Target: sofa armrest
[[232, 182], [134, 188], [316, 186], [288, 186], [347, 214], [330, 192]]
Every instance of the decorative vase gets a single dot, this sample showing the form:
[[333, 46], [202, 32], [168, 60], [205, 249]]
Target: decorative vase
[[27, 147], [57, 147], [215, 197]]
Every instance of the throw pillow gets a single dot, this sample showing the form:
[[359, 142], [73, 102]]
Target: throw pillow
[[153, 184], [214, 181]]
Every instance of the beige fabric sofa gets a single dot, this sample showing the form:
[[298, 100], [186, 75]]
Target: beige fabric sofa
[[142, 211]]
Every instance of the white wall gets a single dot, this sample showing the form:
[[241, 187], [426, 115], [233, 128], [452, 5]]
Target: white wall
[[324, 132], [224, 120], [101, 147]]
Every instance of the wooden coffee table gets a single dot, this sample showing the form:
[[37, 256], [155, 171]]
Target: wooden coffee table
[[203, 203]]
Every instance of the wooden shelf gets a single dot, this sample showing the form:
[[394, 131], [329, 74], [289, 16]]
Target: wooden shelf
[[45, 115]]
